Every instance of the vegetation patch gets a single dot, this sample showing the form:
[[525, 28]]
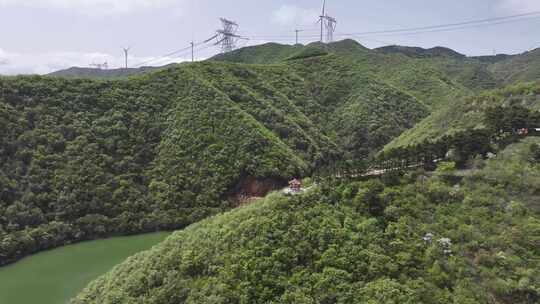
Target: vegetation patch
[[421, 240]]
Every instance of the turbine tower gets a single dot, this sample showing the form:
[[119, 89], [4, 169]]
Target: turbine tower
[[126, 55], [328, 24]]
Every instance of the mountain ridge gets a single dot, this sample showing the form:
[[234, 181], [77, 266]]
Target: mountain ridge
[[189, 145], [164, 149]]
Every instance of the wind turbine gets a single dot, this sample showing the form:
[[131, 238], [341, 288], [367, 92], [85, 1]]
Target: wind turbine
[[322, 17], [126, 55]]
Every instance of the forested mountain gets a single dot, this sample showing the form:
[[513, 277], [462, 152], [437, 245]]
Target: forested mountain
[[468, 113], [88, 158], [77, 72], [448, 238], [525, 67], [437, 76]]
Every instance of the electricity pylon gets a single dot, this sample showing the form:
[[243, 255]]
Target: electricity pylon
[[100, 66], [328, 23], [227, 36]]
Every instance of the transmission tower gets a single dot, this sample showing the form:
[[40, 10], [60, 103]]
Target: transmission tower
[[331, 24], [328, 24], [100, 66], [227, 36]]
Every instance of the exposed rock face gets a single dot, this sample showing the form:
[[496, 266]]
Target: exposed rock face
[[252, 187]]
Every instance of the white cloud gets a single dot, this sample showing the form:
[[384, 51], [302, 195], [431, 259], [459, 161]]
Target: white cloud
[[93, 7], [25, 63], [290, 14], [520, 6]]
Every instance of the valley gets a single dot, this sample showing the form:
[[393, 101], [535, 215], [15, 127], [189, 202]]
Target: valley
[[385, 134]]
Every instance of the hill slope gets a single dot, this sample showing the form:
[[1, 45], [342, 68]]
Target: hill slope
[[83, 159], [92, 73], [525, 67], [436, 76], [426, 240], [468, 113], [418, 52]]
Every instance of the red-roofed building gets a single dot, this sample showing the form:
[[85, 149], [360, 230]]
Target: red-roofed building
[[523, 132], [295, 185]]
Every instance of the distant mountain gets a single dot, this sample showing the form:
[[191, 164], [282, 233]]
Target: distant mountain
[[169, 147], [260, 54], [493, 59], [78, 72], [90, 154], [467, 113], [418, 52], [275, 53], [522, 67], [426, 73]]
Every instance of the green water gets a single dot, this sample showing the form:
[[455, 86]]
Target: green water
[[56, 276]]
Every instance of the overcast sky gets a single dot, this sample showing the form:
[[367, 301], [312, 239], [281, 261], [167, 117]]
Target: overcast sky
[[40, 36]]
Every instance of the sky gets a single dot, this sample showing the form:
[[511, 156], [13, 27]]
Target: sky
[[41, 36]]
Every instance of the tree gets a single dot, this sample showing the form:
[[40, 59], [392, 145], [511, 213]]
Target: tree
[[368, 199], [535, 153]]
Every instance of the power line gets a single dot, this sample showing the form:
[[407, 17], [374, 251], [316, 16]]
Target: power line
[[162, 57], [378, 41], [426, 29], [204, 45], [300, 29], [450, 29], [175, 53], [227, 37], [440, 26], [205, 48]]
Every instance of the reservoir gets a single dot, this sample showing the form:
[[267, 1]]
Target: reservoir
[[56, 276]]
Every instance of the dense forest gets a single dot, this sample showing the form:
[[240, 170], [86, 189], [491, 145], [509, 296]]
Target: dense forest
[[454, 236], [453, 218], [85, 159], [468, 113]]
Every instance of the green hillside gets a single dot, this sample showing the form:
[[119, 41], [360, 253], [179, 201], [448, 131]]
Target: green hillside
[[84, 159], [454, 237], [421, 78], [260, 54], [418, 52], [90, 155], [525, 67], [468, 113], [92, 73], [437, 76]]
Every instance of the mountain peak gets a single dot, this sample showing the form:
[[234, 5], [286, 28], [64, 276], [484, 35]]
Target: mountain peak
[[418, 52]]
